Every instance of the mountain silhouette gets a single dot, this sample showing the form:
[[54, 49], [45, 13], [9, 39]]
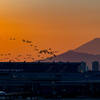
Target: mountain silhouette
[[88, 53], [91, 47]]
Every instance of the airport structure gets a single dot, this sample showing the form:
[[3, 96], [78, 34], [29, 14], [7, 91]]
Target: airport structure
[[49, 79], [82, 67], [95, 66]]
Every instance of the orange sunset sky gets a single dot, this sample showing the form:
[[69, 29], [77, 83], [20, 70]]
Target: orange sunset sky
[[58, 24]]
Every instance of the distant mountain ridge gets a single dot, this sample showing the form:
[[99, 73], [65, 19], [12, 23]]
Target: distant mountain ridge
[[91, 47], [88, 52]]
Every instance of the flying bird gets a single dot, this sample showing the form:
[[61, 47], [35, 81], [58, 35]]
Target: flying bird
[[9, 54], [54, 55], [23, 40], [32, 58], [38, 55], [19, 55], [29, 41], [31, 45], [49, 48]]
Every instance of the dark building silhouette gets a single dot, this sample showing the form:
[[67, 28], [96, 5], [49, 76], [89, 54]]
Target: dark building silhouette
[[82, 67], [95, 66], [48, 79], [40, 67]]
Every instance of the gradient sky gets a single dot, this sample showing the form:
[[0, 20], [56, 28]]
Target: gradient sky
[[59, 24]]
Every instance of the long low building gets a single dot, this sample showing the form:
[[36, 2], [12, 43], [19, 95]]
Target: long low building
[[48, 79], [41, 67]]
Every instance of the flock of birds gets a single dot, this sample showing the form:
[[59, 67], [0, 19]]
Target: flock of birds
[[29, 56]]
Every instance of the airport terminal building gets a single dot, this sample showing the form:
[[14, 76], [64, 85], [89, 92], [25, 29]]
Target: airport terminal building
[[48, 79]]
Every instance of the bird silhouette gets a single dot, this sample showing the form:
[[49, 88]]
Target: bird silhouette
[[31, 45], [54, 55], [51, 53], [30, 42], [10, 38], [23, 40], [40, 51], [27, 41], [50, 58], [49, 48], [19, 55], [38, 55], [9, 54], [28, 57], [32, 58]]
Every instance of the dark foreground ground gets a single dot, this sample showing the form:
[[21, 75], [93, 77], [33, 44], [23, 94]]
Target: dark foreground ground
[[62, 99]]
